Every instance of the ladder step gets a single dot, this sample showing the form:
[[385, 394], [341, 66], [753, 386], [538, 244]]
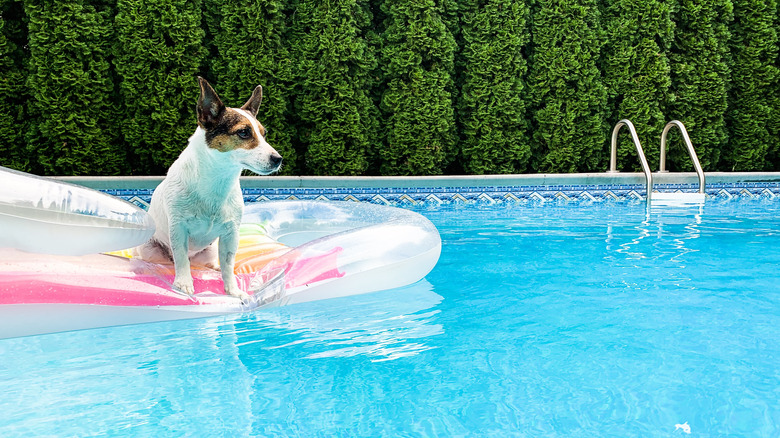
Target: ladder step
[[676, 198], [680, 198]]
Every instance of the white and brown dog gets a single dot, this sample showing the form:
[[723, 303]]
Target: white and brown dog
[[200, 199]]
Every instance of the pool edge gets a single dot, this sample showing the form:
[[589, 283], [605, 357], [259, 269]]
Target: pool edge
[[488, 189], [144, 182]]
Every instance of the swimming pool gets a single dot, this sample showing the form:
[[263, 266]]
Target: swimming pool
[[541, 319]]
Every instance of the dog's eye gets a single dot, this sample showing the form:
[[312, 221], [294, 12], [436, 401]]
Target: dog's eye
[[244, 133]]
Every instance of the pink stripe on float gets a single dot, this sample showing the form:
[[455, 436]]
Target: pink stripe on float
[[107, 290]]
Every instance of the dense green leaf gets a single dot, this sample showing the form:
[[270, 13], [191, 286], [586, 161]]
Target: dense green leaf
[[158, 55], [636, 73], [13, 93], [700, 78], [72, 126], [568, 95], [751, 113], [493, 107], [333, 110], [397, 87], [418, 61]]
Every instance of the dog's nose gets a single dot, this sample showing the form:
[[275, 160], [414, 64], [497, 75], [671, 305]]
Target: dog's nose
[[276, 159]]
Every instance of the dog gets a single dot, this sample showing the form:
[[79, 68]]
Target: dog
[[200, 199]]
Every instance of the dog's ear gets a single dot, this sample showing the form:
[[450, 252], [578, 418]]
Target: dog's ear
[[210, 108], [253, 104]]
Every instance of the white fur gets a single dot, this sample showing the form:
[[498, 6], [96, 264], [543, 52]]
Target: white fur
[[199, 201]]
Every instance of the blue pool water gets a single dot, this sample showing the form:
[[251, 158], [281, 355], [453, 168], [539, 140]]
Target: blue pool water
[[567, 320]]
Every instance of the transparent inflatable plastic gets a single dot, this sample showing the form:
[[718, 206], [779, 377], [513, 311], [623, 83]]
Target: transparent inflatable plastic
[[289, 252], [344, 248], [46, 216]]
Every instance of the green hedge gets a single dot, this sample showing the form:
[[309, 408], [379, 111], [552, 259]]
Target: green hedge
[[395, 87], [158, 51], [569, 98], [72, 128], [754, 68], [418, 61], [13, 93], [700, 73], [636, 71], [495, 134], [332, 106]]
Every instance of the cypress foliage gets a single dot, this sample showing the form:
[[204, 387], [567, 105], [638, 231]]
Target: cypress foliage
[[250, 52], [568, 95], [13, 36], [700, 74], [158, 55], [210, 23], [337, 120], [773, 91], [492, 109], [70, 85], [418, 62], [753, 54], [108, 86], [636, 72], [375, 17]]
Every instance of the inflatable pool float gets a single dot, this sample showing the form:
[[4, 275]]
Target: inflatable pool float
[[42, 215], [289, 252]]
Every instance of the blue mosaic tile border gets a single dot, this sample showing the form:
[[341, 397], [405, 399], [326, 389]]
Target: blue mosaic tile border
[[413, 196]]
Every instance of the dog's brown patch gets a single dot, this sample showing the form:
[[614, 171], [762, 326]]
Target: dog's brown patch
[[233, 131]]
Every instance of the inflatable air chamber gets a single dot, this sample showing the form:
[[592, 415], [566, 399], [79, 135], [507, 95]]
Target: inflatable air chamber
[[62, 266]]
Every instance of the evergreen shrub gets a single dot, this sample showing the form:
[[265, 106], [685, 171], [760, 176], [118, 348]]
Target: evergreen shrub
[[335, 116], [700, 75], [249, 51], [13, 93], [418, 55], [753, 48], [393, 87], [493, 106], [158, 56], [637, 74], [71, 129], [773, 91], [568, 95]]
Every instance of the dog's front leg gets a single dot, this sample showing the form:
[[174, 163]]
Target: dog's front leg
[[228, 245], [181, 261]]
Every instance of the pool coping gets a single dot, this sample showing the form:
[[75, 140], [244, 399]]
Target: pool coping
[[545, 179], [411, 190]]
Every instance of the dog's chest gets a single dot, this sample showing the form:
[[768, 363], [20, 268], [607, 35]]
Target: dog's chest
[[205, 221], [202, 232]]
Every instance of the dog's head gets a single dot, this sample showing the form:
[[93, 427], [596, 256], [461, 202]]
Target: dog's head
[[236, 132]]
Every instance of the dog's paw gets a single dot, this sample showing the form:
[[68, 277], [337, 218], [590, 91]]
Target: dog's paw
[[184, 285], [238, 293]]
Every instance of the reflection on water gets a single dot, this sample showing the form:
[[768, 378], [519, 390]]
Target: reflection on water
[[670, 229], [382, 326], [225, 372]]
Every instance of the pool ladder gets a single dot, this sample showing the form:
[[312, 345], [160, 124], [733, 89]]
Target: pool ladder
[[695, 198]]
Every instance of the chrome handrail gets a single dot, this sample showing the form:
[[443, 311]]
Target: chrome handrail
[[642, 158], [691, 151]]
